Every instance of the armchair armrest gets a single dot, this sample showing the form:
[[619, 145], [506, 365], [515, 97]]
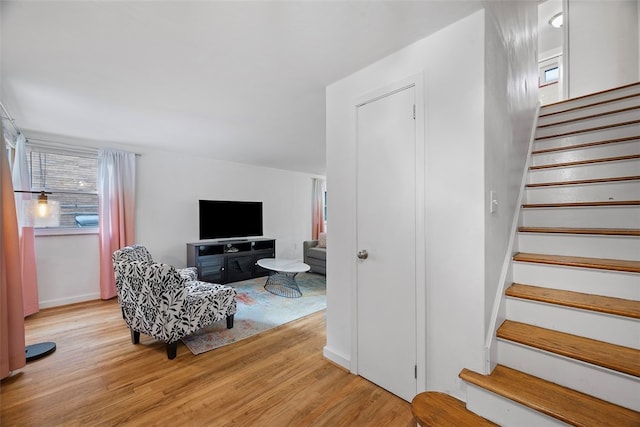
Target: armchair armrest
[[307, 244], [188, 273]]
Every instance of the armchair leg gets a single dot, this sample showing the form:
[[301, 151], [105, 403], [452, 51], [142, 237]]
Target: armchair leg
[[230, 322], [172, 349], [135, 336]]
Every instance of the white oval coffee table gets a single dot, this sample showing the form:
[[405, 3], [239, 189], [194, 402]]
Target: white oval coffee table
[[282, 279]]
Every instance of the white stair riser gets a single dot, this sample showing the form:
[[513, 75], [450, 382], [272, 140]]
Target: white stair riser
[[590, 281], [587, 217], [595, 246], [585, 125], [505, 412], [617, 388], [617, 330], [602, 191], [588, 171], [588, 137], [589, 111], [587, 153], [591, 99]]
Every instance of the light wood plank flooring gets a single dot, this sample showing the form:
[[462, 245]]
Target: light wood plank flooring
[[97, 377]]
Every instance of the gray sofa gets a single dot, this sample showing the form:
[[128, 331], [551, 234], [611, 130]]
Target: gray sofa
[[315, 257]]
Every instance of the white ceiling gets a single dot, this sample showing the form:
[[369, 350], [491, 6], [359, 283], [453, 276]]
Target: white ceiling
[[237, 81], [549, 38]]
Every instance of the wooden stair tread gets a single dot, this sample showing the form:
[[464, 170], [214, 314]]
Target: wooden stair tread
[[433, 409], [586, 162], [568, 230], [594, 104], [585, 145], [589, 117], [582, 204], [594, 129], [576, 261], [556, 401], [585, 181], [598, 303], [600, 353]]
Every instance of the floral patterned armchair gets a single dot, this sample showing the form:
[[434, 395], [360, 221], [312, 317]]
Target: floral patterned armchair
[[166, 303]]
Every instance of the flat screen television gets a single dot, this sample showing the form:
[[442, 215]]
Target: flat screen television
[[223, 219]]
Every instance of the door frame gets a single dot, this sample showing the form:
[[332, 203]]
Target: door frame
[[417, 81]]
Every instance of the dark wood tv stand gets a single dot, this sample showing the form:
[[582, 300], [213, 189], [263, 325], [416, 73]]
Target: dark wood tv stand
[[230, 260]]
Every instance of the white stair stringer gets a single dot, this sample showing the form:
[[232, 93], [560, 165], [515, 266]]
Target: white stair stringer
[[618, 330], [584, 245], [591, 99], [603, 383]]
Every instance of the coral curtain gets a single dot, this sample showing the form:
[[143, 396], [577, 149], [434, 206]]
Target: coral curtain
[[317, 199], [116, 202], [12, 341], [22, 181]]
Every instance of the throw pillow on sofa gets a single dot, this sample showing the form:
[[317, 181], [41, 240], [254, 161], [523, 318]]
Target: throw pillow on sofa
[[322, 240]]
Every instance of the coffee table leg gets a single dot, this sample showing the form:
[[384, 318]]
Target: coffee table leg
[[283, 284]]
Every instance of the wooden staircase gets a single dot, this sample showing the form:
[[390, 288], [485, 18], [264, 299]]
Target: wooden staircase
[[569, 348]]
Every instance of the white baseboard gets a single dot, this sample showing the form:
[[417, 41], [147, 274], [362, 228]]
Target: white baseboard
[[336, 358], [70, 300]]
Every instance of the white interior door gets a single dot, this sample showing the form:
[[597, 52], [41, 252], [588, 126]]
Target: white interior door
[[386, 230]]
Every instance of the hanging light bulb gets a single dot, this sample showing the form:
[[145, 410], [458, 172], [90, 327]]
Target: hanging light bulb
[[43, 206], [40, 212]]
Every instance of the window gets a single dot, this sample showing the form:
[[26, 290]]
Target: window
[[549, 72], [552, 74], [71, 177], [324, 206]]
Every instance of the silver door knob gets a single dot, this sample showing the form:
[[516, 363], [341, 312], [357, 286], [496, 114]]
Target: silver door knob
[[362, 254]]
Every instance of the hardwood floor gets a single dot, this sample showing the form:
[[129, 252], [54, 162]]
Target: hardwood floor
[[98, 377]]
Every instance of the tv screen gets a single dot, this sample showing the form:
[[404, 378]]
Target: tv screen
[[221, 219]]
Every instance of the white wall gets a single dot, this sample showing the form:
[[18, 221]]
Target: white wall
[[68, 269], [452, 61], [603, 46], [169, 186], [511, 98], [480, 79]]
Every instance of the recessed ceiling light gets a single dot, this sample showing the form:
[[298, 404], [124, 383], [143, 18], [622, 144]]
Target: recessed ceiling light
[[556, 20]]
